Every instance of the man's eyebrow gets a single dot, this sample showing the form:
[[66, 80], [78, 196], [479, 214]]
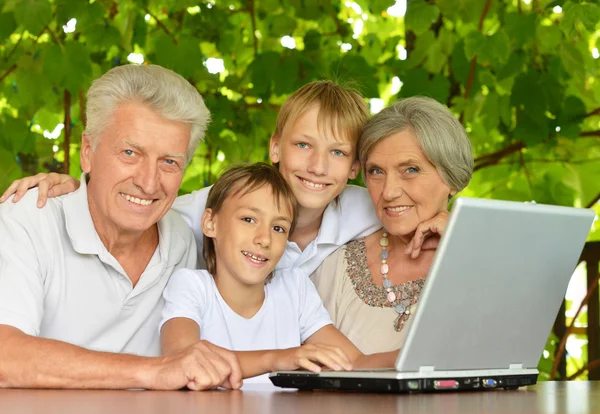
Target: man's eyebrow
[[141, 149]]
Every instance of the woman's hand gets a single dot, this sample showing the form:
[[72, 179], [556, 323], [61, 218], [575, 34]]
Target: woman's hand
[[427, 235], [312, 358], [49, 185]]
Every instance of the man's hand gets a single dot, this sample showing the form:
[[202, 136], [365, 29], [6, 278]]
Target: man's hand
[[201, 366], [427, 236], [49, 185], [312, 357]]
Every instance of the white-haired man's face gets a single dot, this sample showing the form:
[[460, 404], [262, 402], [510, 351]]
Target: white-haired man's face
[[136, 169]]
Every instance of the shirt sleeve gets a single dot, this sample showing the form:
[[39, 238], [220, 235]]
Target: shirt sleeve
[[191, 207], [21, 277], [312, 313], [185, 296]]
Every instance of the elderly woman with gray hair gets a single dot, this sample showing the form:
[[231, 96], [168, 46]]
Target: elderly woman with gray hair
[[415, 157]]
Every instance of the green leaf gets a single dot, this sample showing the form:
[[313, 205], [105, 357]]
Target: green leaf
[[78, 67], [514, 66], [548, 38], [355, 69], [7, 24], [104, 36], [281, 25], [307, 9], [140, 31], [421, 51], [531, 127], [437, 57], [572, 60], [378, 6], [373, 49], [419, 82], [521, 28], [33, 14], [260, 70], [491, 111], [312, 40], [464, 10], [571, 116], [285, 79], [587, 14], [54, 63], [490, 50], [526, 93], [420, 16]]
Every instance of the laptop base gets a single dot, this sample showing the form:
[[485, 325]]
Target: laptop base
[[311, 381]]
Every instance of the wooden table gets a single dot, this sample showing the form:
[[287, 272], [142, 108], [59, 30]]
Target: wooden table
[[547, 397]]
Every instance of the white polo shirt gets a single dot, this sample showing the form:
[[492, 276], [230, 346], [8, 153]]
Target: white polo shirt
[[351, 218], [58, 281]]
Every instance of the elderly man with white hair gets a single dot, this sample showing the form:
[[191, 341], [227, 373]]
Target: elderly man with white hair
[[81, 281]]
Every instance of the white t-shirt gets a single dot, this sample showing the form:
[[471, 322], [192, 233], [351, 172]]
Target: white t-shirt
[[291, 312], [350, 218], [58, 281]]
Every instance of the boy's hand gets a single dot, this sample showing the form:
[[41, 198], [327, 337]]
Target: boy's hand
[[311, 358], [49, 185], [201, 366]]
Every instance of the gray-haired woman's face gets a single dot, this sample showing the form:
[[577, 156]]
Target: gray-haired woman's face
[[405, 187]]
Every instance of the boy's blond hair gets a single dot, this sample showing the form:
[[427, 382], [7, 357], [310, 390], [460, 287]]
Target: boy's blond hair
[[342, 110], [244, 179]]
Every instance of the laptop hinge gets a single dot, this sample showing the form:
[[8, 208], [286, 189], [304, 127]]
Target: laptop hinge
[[426, 368], [515, 366]]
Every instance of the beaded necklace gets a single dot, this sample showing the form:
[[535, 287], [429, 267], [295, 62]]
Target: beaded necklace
[[397, 303]]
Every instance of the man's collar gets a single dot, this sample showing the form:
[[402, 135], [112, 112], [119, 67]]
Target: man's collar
[[79, 223]]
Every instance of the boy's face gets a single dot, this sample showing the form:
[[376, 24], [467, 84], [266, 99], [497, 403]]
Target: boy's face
[[250, 233], [315, 164]]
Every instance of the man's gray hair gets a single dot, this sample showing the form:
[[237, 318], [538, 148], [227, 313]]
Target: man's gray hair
[[439, 134], [163, 90]]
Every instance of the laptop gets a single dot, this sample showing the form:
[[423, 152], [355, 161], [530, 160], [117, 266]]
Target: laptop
[[494, 289]]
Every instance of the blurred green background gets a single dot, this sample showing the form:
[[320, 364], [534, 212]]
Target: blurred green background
[[521, 75]]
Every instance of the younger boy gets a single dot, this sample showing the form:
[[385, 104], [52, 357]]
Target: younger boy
[[239, 303]]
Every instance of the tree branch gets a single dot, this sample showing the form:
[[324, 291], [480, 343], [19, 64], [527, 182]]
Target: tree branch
[[590, 133], [563, 341], [14, 49], [587, 367], [8, 72], [527, 175], [67, 123], [473, 66], [594, 201], [161, 25], [251, 10], [495, 157], [82, 108], [594, 112], [553, 160]]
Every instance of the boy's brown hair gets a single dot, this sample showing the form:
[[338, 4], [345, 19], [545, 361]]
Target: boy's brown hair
[[245, 179], [342, 110]]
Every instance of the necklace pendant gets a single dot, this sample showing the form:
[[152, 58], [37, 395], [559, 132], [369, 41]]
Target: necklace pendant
[[399, 323], [400, 309]]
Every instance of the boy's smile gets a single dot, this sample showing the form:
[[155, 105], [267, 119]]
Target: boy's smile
[[250, 233], [315, 163]]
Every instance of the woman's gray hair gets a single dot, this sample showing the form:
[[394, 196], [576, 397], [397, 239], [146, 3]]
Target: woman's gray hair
[[163, 90], [439, 134]]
